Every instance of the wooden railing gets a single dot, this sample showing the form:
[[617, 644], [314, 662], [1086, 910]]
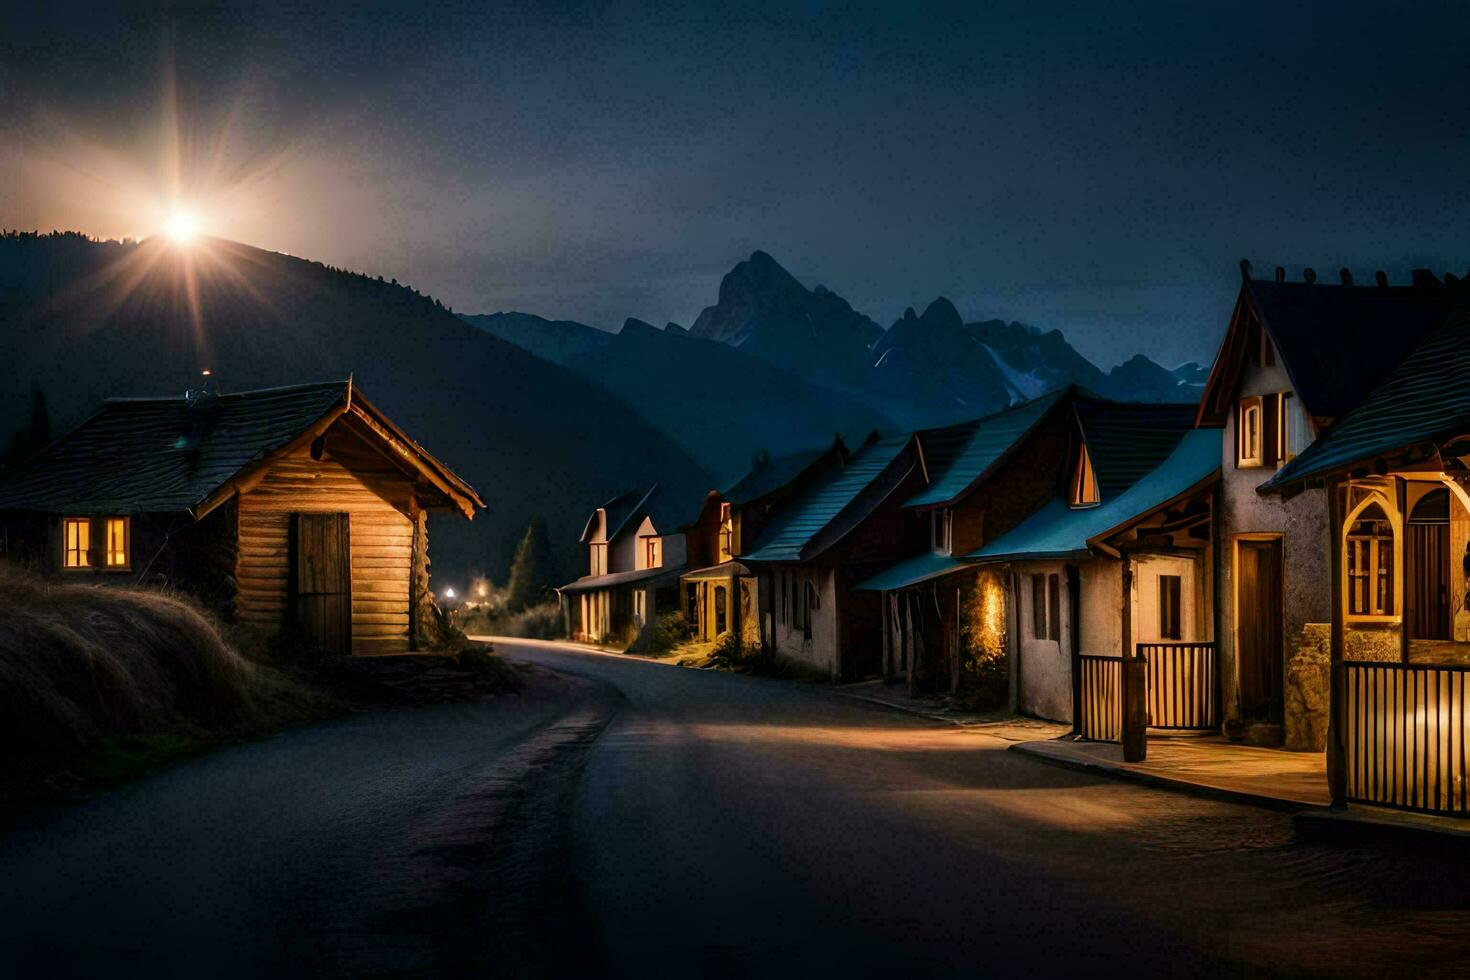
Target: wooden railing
[[1100, 713], [1405, 733], [1183, 685]]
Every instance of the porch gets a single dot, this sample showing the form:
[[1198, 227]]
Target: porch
[[1201, 763]]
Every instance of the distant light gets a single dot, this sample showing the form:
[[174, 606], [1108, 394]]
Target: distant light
[[182, 227], [449, 593], [206, 372], [483, 591]]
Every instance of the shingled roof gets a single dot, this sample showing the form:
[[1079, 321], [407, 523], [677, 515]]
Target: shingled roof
[[959, 456], [1127, 440], [771, 474], [792, 532], [1336, 342], [1424, 401], [160, 455]]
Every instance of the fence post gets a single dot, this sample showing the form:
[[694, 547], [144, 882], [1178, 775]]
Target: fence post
[[1074, 615], [1134, 674]]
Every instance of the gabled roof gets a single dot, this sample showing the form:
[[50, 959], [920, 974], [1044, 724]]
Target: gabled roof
[[1060, 531], [618, 510], [626, 512], [788, 536], [142, 455], [958, 456], [1335, 342], [771, 474], [1127, 440], [1425, 400]]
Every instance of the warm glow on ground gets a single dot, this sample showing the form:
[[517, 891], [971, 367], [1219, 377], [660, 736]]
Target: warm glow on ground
[[182, 227]]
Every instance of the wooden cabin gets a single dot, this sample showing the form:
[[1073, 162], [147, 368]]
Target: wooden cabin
[[302, 506]]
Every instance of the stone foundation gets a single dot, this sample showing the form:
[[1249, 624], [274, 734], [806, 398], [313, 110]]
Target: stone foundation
[[1309, 689], [1372, 642]]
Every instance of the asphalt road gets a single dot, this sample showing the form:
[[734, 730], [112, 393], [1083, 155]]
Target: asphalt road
[[636, 819]]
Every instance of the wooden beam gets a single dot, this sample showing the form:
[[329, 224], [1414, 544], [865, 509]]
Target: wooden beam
[[1336, 745]]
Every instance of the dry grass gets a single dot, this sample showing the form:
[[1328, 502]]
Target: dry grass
[[85, 669]]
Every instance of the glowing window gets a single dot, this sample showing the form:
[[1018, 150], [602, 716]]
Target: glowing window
[[1248, 433], [77, 533], [727, 533], [1370, 564], [116, 555], [1084, 481]]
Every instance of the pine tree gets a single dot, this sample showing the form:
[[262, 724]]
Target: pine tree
[[529, 568]]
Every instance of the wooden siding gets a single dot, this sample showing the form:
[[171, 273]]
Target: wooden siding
[[381, 540]]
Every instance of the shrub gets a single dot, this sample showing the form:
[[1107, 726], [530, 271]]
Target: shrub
[[662, 636], [727, 651]]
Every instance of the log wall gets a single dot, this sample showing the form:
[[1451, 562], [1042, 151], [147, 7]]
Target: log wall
[[381, 540]]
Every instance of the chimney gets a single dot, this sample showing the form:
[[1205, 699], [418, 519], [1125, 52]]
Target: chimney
[[207, 389], [1381, 278], [1425, 279], [1281, 273], [1309, 275], [1346, 275]]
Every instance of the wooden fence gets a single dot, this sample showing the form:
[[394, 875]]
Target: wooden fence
[[1405, 731], [1183, 685], [1100, 715]]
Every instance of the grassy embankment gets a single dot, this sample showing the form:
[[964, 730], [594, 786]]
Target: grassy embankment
[[101, 684]]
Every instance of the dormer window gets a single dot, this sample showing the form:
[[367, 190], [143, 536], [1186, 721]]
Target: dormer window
[[651, 556], [1084, 481], [941, 530]]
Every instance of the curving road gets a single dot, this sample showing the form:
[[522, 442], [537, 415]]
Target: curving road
[[637, 819]]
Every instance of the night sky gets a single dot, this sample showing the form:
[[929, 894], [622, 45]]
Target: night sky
[[1099, 169]]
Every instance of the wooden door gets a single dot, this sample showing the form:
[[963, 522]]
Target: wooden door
[[1427, 567], [322, 577], [1259, 630]]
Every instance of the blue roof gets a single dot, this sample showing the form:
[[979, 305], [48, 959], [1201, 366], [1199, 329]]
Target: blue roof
[[812, 511], [1058, 530], [959, 455], [1424, 400], [912, 571]]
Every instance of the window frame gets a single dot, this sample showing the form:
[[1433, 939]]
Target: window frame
[[1046, 606], [1245, 407], [941, 531], [1378, 578], [726, 542], [1171, 607], [83, 550]]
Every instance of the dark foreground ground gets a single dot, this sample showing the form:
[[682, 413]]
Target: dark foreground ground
[[621, 817]]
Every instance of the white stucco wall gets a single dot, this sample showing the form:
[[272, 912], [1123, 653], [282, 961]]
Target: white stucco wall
[[1301, 524], [1044, 685], [820, 652]]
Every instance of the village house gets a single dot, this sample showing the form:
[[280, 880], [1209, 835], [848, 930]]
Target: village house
[[635, 555], [302, 507], [939, 610], [834, 534], [1119, 555], [1394, 477], [720, 593], [1298, 356]]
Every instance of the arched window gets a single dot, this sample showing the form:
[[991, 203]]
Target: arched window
[[1370, 564]]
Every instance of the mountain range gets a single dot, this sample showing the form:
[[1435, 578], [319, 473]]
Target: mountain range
[[773, 363]]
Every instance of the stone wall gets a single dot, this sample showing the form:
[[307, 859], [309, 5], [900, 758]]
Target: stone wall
[[1309, 688]]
